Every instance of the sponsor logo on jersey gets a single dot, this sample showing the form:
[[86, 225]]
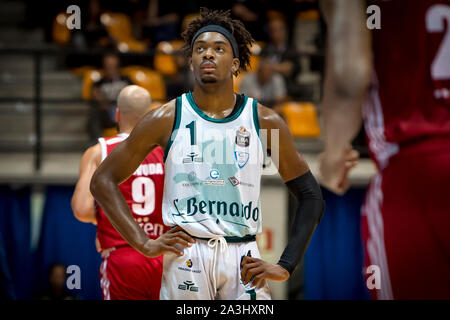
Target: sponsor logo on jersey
[[219, 208], [214, 174], [189, 265], [151, 229], [234, 182], [192, 157], [191, 176], [242, 137], [188, 285], [214, 182], [241, 158]]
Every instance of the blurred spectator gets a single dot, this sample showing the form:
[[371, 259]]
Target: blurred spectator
[[252, 13], [93, 33], [183, 81], [162, 22], [265, 85], [104, 96], [284, 58], [56, 285]]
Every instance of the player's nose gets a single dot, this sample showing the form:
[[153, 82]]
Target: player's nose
[[209, 54]]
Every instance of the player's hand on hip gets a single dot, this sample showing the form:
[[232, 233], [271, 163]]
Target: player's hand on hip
[[174, 240], [334, 169], [256, 271]]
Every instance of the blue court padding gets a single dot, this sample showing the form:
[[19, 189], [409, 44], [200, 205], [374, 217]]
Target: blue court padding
[[68, 241], [334, 259], [17, 257]]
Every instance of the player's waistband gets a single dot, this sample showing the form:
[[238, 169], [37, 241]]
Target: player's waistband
[[105, 252], [232, 239]]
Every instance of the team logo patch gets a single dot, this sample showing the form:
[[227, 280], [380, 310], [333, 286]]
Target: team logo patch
[[189, 263], [242, 137], [241, 158]]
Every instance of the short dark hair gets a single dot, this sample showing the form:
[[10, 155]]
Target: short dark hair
[[222, 18]]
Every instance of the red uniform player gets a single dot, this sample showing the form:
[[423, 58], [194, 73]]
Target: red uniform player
[[124, 272], [406, 214]]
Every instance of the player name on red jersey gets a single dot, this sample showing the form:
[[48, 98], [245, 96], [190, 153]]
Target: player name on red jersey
[[147, 169]]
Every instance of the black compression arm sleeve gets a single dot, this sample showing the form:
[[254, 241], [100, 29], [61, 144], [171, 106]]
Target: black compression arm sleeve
[[309, 212]]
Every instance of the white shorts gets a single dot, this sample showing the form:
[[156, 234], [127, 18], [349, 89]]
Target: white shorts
[[207, 272]]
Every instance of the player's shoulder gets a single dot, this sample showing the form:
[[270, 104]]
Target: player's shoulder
[[93, 154], [268, 118], [166, 112]]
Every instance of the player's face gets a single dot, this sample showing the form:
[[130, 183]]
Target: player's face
[[212, 58]]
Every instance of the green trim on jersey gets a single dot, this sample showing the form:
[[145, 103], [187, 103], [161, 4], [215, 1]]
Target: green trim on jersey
[[258, 128], [204, 116], [175, 127], [255, 117]]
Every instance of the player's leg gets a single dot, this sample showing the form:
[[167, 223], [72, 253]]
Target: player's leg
[[406, 228], [418, 221], [229, 283], [372, 225], [186, 277]]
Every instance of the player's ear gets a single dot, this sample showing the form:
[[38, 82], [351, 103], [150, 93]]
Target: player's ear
[[117, 117], [235, 66], [190, 65]]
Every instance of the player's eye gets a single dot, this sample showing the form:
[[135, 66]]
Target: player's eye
[[220, 49]]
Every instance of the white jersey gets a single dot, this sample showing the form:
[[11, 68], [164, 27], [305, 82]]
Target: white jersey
[[213, 171]]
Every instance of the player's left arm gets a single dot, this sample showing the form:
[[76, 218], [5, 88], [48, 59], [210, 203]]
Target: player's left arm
[[298, 178], [82, 199]]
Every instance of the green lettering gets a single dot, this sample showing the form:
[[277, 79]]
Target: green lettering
[[255, 214], [219, 203], [247, 211], [202, 206], [234, 212], [194, 201], [210, 206]]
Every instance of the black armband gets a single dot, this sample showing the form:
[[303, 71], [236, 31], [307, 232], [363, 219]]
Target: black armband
[[308, 215]]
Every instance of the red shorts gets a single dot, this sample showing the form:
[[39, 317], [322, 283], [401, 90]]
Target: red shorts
[[125, 274], [406, 226]]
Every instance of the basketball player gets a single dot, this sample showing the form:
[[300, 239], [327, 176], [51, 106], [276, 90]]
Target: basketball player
[[406, 214], [213, 161], [124, 272]]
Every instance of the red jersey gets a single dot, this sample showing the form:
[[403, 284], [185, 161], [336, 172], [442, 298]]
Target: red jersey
[[409, 100], [143, 192]]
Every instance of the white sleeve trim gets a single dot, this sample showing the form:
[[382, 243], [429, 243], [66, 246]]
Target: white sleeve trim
[[103, 147]]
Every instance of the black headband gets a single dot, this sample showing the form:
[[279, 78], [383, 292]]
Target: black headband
[[221, 30]]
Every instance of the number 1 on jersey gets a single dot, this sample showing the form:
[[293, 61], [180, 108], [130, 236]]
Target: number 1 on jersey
[[191, 127]]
